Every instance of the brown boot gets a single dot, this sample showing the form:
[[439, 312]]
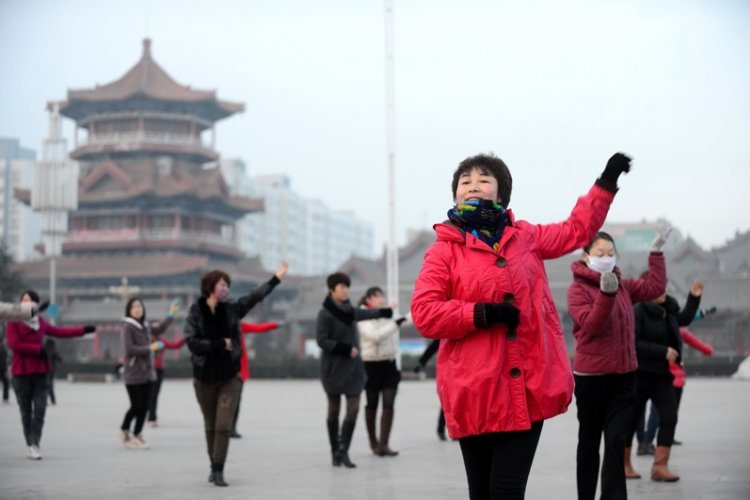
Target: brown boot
[[386, 422], [660, 471], [630, 473], [370, 423]]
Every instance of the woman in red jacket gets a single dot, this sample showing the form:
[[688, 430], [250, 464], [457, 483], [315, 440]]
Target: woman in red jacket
[[502, 366], [601, 306], [30, 367]]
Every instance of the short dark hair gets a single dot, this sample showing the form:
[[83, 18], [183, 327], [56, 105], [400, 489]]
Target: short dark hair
[[371, 292], [601, 235], [32, 295], [209, 280], [338, 279], [130, 304], [488, 164]]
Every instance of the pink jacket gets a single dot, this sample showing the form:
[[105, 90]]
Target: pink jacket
[[604, 325], [27, 345], [491, 380]]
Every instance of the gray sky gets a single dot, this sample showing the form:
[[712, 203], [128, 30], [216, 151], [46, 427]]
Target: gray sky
[[554, 88]]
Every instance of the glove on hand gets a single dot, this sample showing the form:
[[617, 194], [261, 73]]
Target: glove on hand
[[42, 307], [386, 312], [660, 239], [502, 313], [616, 165], [608, 283], [89, 328], [400, 320], [157, 345], [174, 308]]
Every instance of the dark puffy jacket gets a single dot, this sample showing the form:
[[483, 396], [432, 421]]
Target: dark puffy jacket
[[657, 326], [205, 334]]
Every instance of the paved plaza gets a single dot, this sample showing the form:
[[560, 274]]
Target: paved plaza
[[284, 450]]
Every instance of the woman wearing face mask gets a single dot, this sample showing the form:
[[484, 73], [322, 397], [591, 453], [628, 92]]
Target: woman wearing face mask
[[30, 366], [212, 333], [601, 306], [502, 366]]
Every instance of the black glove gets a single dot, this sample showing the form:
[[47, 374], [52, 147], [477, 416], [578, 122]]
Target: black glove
[[386, 312], [89, 329], [417, 368], [400, 320], [503, 312], [616, 165], [42, 306]]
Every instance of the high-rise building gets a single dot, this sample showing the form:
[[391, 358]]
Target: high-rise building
[[314, 238], [19, 226]]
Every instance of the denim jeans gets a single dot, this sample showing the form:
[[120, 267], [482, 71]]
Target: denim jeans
[[31, 392]]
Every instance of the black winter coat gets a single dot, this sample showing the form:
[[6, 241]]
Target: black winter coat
[[205, 333], [336, 332], [657, 326]]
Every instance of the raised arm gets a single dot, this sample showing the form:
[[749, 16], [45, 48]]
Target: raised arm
[[687, 314]]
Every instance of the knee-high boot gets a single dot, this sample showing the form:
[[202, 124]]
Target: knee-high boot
[[333, 438], [386, 423], [370, 423], [347, 429], [660, 471]]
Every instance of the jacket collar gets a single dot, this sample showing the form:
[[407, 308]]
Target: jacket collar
[[343, 312], [133, 322]]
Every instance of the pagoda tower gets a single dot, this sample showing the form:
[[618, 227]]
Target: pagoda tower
[[149, 181]]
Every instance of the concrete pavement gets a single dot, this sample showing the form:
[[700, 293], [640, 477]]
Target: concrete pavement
[[284, 451]]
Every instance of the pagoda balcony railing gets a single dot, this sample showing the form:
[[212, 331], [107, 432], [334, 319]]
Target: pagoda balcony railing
[[134, 234], [141, 137]]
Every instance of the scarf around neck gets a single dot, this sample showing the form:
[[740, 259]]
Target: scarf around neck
[[484, 219], [343, 312]]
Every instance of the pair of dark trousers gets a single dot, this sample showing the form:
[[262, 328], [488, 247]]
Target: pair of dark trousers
[[646, 431], [659, 388], [605, 405], [138, 395], [498, 464], [153, 398], [218, 402], [31, 393]]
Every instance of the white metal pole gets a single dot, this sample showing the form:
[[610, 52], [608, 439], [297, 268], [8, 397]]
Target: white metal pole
[[392, 284]]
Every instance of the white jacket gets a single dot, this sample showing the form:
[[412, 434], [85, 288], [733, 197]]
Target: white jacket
[[379, 338]]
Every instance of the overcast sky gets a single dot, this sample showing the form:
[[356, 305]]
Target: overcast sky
[[554, 88]]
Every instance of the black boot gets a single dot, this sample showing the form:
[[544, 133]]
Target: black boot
[[370, 423], [333, 438], [386, 423], [347, 429], [217, 471]]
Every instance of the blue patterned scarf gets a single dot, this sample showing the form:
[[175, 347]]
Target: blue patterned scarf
[[484, 219]]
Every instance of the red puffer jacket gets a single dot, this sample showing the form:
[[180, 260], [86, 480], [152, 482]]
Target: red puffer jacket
[[604, 325], [492, 380]]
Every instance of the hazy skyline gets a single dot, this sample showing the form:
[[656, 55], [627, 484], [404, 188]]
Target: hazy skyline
[[552, 88]]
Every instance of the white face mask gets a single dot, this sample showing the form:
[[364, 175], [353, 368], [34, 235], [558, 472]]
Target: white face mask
[[602, 264]]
